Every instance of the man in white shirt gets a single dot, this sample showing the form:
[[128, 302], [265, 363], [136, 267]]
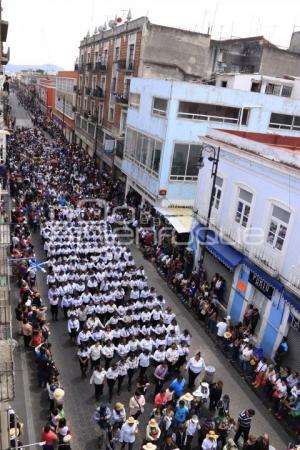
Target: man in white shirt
[[128, 432], [95, 354]]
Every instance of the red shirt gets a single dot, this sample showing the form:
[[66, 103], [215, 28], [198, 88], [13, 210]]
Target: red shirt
[[49, 437]]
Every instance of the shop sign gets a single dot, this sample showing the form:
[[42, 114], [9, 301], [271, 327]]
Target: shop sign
[[261, 285]]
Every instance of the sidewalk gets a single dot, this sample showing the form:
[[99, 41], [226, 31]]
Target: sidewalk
[[240, 393]]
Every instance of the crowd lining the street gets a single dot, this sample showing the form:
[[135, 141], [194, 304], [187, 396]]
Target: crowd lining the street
[[121, 326]]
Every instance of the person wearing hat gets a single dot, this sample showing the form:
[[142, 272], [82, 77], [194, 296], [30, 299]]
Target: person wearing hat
[[210, 441], [153, 431], [128, 433], [192, 426], [150, 446], [118, 414]]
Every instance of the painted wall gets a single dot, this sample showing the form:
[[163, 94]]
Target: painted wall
[[172, 129]]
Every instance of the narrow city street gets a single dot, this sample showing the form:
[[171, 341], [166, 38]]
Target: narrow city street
[[31, 402]]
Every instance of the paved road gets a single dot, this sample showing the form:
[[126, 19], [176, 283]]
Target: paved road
[[80, 404]]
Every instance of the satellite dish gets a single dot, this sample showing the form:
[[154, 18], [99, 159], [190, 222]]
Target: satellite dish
[[129, 15], [112, 24]]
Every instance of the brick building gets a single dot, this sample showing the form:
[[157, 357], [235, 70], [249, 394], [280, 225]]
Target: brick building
[[65, 102], [108, 61]]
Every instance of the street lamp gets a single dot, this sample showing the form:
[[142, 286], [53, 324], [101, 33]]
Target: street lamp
[[214, 156]]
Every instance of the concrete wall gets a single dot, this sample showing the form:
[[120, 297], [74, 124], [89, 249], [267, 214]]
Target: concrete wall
[[172, 129], [278, 62], [295, 42], [173, 47]]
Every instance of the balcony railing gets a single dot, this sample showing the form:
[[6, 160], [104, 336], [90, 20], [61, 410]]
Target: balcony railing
[[284, 126], [102, 66], [87, 90], [122, 98], [121, 64], [89, 66], [99, 93], [204, 117], [130, 66]]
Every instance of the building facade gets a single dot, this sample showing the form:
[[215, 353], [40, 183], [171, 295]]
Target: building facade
[[166, 120], [253, 237], [107, 63], [45, 94], [65, 102]]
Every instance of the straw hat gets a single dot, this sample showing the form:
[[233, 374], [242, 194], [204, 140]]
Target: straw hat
[[152, 423], [119, 406], [212, 435], [149, 446], [67, 438], [188, 397], [13, 434], [195, 419], [131, 420], [227, 335], [58, 394]]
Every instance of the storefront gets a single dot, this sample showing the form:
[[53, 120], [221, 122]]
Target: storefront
[[293, 332]]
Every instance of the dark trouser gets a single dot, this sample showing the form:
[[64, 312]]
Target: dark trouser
[[110, 384], [120, 382], [54, 311], [65, 309], [130, 445], [27, 340], [188, 442], [143, 370], [94, 363], [84, 367], [158, 385], [241, 432], [107, 362], [192, 378], [130, 374], [98, 391]]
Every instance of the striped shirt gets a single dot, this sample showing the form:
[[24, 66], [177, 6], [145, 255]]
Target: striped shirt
[[245, 419]]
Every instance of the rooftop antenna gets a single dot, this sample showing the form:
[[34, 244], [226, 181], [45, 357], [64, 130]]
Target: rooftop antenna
[[214, 16]]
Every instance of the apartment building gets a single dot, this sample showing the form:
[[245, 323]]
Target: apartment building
[[166, 120], [65, 102], [253, 239], [45, 94], [107, 63]]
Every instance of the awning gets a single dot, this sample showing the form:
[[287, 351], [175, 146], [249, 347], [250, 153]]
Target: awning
[[179, 218], [292, 300], [267, 278], [222, 251], [226, 254]]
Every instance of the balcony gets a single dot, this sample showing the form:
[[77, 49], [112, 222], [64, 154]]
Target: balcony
[[76, 67], [94, 118], [4, 28], [122, 98], [130, 66], [5, 57], [87, 91], [101, 66], [81, 67], [98, 93], [89, 66]]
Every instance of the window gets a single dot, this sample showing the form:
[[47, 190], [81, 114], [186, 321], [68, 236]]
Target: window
[[117, 53], [286, 91], [245, 116], [111, 114], [114, 84], [278, 227], [217, 192], [160, 106], [284, 121], [134, 100], [127, 88], [123, 122], [185, 162], [273, 89], [243, 207], [224, 84], [105, 57], [143, 150], [208, 112], [100, 113], [255, 86], [130, 57]]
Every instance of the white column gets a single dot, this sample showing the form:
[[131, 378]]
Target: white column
[[284, 327], [264, 321]]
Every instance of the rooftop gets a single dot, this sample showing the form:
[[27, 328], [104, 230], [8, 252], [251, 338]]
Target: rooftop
[[275, 140]]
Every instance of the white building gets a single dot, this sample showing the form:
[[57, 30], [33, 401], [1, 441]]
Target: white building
[[166, 120], [256, 214]]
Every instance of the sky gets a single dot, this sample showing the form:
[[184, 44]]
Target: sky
[[49, 31]]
